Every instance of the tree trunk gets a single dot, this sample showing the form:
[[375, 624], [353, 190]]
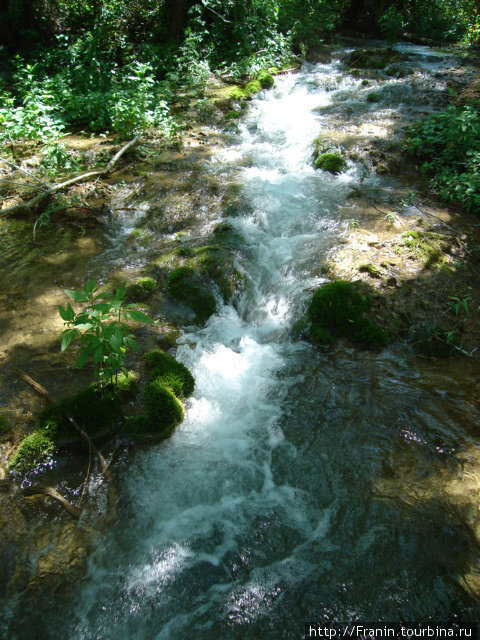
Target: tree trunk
[[177, 19]]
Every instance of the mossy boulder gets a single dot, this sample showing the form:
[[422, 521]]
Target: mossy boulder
[[35, 449], [98, 411], [196, 271], [378, 58], [162, 413], [185, 286], [332, 162], [170, 372], [141, 289], [266, 79], [238, 95], [232, 115], [252, 87], [337, 310], [163, 410]]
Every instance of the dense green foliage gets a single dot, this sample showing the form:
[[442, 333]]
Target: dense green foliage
[[449, 145], [337, 310], [124, 66]]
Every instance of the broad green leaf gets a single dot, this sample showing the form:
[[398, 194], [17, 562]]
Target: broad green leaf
[[84, 326], [64, 313], [67, 339], [139, 316], [116, 342]]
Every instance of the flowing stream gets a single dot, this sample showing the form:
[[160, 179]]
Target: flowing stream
[[304, 485]]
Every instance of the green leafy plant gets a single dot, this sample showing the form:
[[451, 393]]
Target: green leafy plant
[[391, 23], [449, 145], [101, 329], [458, 304], [391, 217]]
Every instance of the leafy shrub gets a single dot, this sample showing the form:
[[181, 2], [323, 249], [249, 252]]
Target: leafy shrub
[[449, 145], [101, 330], [391, 23]]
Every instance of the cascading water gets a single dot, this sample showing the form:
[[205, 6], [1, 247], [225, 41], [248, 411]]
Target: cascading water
[[283, 497]]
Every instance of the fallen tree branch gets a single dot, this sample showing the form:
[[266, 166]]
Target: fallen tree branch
[[26, 207], [53, 493]]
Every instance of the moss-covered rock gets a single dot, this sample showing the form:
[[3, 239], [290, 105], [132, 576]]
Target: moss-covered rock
[[252, 87], [185, 286], [332, 162], [338, 310], [429, 247], [141, 289], [266, 79], [162, 413], [371, 269], [35, 449], [170, 372], [237, 95], [374, 58], [98, 411]]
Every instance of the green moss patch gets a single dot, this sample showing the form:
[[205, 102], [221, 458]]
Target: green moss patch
[[374, 58], [162, 413], [141, 289], [35, 449], [232, 115], [237, 94], [429, 247], [337, 310], [332, 162], [185, 286], [170, 372], [252, 87], [371, 269], [266, 79], [97, 411]]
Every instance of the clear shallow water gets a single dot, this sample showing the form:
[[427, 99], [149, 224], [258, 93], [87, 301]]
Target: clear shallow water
[[302, 485]]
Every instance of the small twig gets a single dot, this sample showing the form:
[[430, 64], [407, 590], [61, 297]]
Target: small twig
[[217, 14], [431, 215], [53, 493], [27, 173]]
